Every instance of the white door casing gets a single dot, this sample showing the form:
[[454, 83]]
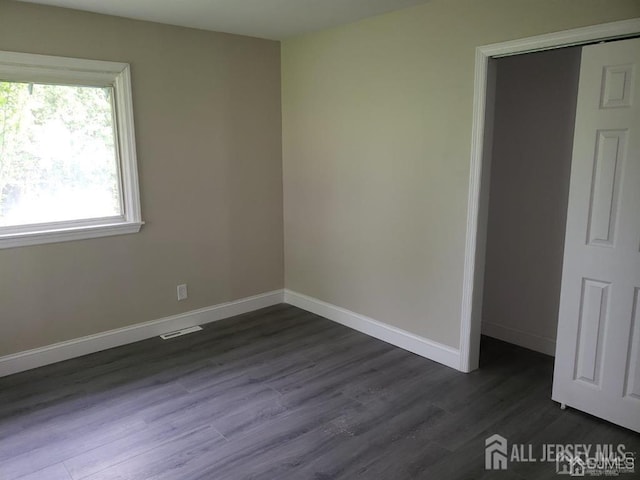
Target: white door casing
[[473, 272], [597, 368]]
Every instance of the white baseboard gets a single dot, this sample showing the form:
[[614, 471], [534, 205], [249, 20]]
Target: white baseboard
[[518, 337], [38, 357], [400, 338]]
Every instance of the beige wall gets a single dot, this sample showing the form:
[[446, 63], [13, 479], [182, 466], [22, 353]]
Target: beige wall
[[535, 108], [208, 124], [376, 147]]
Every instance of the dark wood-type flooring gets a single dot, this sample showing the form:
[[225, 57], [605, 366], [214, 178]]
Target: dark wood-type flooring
[[281, 394]]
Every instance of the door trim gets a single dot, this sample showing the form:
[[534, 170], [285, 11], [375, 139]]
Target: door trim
[[473, 276]]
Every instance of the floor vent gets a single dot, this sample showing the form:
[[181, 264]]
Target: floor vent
[[179, 333]]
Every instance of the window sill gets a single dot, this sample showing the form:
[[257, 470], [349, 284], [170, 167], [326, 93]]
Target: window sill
[[67, 234]]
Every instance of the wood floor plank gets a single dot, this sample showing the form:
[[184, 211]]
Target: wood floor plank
[[184, 457], [54, 472], [51, 448], [281, 393], [362, 439], [137, 443]]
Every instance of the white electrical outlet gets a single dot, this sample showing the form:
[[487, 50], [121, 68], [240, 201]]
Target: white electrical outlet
[[182, 292]]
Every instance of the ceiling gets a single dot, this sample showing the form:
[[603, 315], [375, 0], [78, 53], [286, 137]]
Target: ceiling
[[273, 19]]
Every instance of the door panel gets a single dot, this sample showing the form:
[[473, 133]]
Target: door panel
[[632, 382], [597, 355], [605, 186], [591, 325]]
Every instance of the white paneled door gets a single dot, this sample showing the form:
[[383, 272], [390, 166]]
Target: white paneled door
[[597, 367]]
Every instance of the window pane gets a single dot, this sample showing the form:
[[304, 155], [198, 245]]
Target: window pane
[[58, 158]]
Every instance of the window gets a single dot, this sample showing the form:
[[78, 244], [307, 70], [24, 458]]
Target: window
[[67, 150]]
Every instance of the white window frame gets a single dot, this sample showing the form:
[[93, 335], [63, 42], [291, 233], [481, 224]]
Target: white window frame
[[30, 68]]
